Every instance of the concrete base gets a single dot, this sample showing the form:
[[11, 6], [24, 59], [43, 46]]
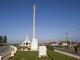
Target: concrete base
[[34, 45]]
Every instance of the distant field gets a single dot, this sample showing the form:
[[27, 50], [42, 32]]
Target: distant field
[[29, 55]]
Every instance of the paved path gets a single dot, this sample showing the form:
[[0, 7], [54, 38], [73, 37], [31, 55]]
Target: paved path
[[4, 50], [69, 54], [68, 50]]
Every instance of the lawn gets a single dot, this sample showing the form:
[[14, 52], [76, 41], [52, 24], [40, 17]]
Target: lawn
[[59, 56], [29, 55]]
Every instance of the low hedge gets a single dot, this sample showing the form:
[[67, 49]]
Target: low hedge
[[49, 47]]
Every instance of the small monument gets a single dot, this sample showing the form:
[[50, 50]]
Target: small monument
[[26, 42], [42, 51]]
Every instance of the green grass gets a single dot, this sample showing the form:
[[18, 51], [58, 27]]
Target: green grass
[[30, 55], [59, 56]]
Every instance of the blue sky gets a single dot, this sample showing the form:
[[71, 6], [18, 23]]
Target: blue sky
[[53, 19]]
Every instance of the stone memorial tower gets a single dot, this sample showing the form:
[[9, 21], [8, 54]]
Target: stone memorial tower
[[34, 44]]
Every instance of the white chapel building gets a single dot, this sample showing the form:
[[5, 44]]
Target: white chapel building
[[26, 42]]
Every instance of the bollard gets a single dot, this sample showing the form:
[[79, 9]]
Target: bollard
[[0, 57], [12, 53]]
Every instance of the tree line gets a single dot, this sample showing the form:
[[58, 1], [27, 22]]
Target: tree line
[[3, 40]]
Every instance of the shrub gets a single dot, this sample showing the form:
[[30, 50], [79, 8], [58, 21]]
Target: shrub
[[49, 47]]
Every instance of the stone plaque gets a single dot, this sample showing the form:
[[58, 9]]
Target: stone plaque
[[42, 51]]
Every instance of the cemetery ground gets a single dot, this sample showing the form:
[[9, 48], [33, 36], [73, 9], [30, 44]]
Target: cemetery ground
[[33, 55]]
